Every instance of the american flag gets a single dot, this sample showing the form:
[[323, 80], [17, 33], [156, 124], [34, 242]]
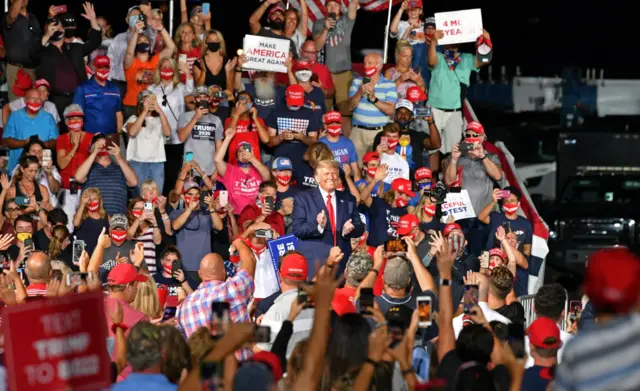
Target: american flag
[[317, 11]]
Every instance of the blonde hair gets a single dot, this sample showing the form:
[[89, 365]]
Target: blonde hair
[[199, 343], [223, 45], [94, 191], [418, 211], [177, 39], [148, 184], [401, 45], [176, 71], [147, 300], [59, 234]]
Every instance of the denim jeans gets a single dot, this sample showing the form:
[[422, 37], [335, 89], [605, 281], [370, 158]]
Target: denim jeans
[[153, 171], [419, 60]]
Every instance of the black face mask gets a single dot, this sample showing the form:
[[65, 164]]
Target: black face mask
[[142, 47], [213, 46], [58, 35], [276, 24], [69, 33]]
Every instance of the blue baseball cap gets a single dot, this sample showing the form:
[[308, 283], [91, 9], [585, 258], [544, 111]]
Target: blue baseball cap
[[282, 163]]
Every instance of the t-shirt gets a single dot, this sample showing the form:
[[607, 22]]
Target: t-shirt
[[89, 231], [303, 121], [398, 167], [337, 49], [246, 132], [242, 187], [383, 222], [252, 211], [266, 32], [289, 193], [172, 286], [147, 146], [536, 378], [344, 152], [109, 258], [410, 147], [265, 106], [82, 153], [449, 369], [193, 238], [139, 77], [416, 35], [324, 75], [444, 87], [514, 312], [202, 141], [476, 180], [368, 114], [304, 177], [374, 193], [21, 126]]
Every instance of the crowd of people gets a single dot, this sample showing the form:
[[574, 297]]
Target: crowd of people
[[159, 170]]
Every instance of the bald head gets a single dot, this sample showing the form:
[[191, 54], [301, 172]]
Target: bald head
[[38, 267], [372, 59], [212, 268]]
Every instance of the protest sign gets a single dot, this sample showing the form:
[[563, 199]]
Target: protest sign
[[457, 205], [265, 54], [459, 26], [57, 344]]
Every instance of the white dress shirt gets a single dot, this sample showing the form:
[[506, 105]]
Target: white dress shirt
[[489, 314], [175, 103], [335, 209]]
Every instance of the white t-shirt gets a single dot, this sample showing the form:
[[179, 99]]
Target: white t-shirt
[[148, 145], [265, 278], [398, 167], [418, 37], [298, 39], [564, 337], [489, 314]]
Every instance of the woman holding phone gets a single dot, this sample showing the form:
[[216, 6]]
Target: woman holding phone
[[25, 185], [48, 176], [143, 227]]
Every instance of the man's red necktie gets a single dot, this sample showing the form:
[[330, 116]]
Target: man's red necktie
[[332, 219]]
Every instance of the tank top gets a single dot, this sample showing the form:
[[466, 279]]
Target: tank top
[[36, 192], [214, 80]]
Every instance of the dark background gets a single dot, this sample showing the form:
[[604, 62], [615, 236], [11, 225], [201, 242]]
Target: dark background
[[542, 37]]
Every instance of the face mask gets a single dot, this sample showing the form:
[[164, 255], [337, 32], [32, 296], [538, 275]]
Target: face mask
[[401, 202], [34, 107], [76, 126], [69, 33], [370, 71], [276, 24], [142, 47], [136, 213], [188, 200], [423, 186], [294, 108], [283, 179], [403, 124], [304, 76], [153, 200], [22, 236], [393, 144], [249, 106], [167, 269], [102, 75], [213, 46], [118, 235], [58, 35], [410, 236], [94, 206], [450, 53], [510, 208], [166, 74], [103, 153], [372, 171], [429, 210], [334, 130]]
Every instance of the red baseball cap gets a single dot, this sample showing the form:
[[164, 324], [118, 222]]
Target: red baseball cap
[[124, 273], [295, 95], [544, 329], [22, 84], [611, 279], [302, 65], [369, 156], [450, 227], [332, 117], [475, 126], [294, 267], [402, 185], [423, 173], [498, 252], [41, 82], [272, 361], [102, 62], [415, 94], [415, 3], [407, 224], [275, 8]]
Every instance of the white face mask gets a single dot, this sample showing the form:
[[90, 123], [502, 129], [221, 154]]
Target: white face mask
[[303, 76], [294, 108]]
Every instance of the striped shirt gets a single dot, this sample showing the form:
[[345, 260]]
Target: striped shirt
[[149, 249], [112, 184], [366, 113], [602, 357]]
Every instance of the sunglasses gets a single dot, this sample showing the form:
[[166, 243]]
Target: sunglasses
[[471, 135]]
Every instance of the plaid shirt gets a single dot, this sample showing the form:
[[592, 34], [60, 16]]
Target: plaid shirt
[[195, 310]]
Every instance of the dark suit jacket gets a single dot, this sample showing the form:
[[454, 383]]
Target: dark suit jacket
[[306, 207], [76, 51]]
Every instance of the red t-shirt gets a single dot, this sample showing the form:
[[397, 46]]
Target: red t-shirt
[[324, 75], [246, 132], [252, 212], [82, 153], [192, 56]]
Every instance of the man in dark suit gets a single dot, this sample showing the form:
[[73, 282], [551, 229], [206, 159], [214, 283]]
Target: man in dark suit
[[324, 218]]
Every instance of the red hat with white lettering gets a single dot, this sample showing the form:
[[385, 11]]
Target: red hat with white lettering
[[332, 117], [415, 94], [295, 95], [41, 82], [302, 66], [451, 227], [407, 223], [415, 4], [123, 274], [275, 8], [402, 185], [102, 62], [498, 252], [369, 156], [294, 267], [423, 173], [475, 126], [611, 280]]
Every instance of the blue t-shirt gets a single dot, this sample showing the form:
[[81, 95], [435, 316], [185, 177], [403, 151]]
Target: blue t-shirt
[[524, 232], [383, 222], [303, 121], [374, 193], [265, 106], [533, 380], [304, 177], [344, 152], [100, 105], [20, 127], [193, 238]]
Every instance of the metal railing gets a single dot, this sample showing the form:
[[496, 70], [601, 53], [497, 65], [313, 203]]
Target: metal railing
[[530, 312]]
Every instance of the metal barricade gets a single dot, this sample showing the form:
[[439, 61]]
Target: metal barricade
[[530, 311]]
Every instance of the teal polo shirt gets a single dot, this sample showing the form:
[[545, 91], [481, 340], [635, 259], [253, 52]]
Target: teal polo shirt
[[444, 88]]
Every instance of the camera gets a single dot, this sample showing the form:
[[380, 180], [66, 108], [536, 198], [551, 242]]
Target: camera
[[438, 193], [465, 148], [202, 104]]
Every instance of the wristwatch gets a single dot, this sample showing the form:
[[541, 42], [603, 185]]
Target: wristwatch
[[374, 100], [445, 282]]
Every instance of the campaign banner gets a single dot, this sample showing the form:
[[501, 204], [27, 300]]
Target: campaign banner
[[457, 205], [57, 344], [265, 54], [278, 247], [459, 26]]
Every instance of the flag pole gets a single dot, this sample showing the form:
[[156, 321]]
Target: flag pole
[[386, 33], [171, 18]]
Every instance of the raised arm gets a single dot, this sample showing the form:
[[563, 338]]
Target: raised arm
[[247, 259], [352, 10], [130, 54], [254, 19], [303, 26], [129, 175], [393, 29], [218, 158], [14, 11], [170, 46]]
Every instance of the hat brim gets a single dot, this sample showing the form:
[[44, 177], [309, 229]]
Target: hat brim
[[408, 192], [141, 278]]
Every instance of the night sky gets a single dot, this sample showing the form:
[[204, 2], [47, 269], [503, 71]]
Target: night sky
[[541, 37]]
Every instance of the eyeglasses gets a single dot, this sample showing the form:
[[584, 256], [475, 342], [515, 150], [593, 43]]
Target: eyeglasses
[[471, 135]]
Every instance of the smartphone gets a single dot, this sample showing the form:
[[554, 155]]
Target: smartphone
[[61, 9], [516, 339], [315, 78], [4, 158], [206, 8], [78, 248], [46, 157], [504, 193], [182, 58], [384, 142], [6, 265], [395, 246], [28, 243], [470, 297], [332, 15], [21, 201], [188, 157], [421, 112], [366, 300], [264, 233], [484, 259], [262, 334], [465, 148], [175, 266], [397, 331], [270, 200], [78, 278], [148, 207], [246, 147], [219, 95], [211, 375], [575, 306], [366, 80], [424, 311], [303, 297], [219, 316], [223, 198], [133, 19], [73, 186], [169, 312], [412, 33]]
